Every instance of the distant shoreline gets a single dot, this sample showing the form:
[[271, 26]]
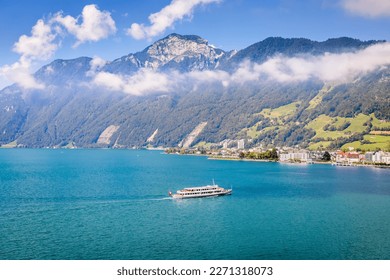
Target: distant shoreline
[[240, 159], [296, 163]]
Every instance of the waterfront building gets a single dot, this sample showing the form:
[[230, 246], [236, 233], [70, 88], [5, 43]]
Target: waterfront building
[[368, 156], [347, 158], [377, 156], [225, 144], [295, 156], [386, 158]]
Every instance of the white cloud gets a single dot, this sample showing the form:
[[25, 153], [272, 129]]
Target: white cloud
[[95, 24], [49, 70], [110, 81], [367, 8], [210, 76], [19, 72], [96, 64], [146, 81], [40, 45], [247, 72], [143, 82], [160, 21], [138, 31]]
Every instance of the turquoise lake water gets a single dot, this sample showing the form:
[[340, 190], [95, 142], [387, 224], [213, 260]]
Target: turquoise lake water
[[113, 204]]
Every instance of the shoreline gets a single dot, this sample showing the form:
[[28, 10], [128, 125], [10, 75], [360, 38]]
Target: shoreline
[[298, 163], [241, 159]]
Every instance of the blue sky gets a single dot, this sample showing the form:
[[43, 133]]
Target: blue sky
[[228, 24]]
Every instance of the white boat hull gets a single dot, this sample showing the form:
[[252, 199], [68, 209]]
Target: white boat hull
[[197, 195]]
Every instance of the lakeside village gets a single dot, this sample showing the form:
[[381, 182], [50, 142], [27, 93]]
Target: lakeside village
[[235, 150]]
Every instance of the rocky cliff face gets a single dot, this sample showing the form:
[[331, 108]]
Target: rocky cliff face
[[187, 52], [175, 52]]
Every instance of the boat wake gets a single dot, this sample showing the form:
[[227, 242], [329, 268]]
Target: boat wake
[[157, 199], [129, 200]]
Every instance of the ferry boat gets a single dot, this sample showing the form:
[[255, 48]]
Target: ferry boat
[[203, 191]]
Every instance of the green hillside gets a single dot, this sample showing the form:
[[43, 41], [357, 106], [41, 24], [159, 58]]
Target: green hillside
[[370, 143], [313, 125], [332, 128]]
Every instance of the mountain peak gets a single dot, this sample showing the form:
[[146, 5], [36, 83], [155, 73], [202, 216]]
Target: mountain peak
[[176, 36], [177, 44], [186, 52]]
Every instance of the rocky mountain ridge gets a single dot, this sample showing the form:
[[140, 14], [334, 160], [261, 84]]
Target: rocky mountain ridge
[[186, 53]]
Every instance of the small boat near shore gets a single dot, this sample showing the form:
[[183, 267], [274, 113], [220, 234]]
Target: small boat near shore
[[202, 191]]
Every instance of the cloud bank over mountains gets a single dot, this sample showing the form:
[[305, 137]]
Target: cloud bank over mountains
[[329, 67], [342, 67]]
